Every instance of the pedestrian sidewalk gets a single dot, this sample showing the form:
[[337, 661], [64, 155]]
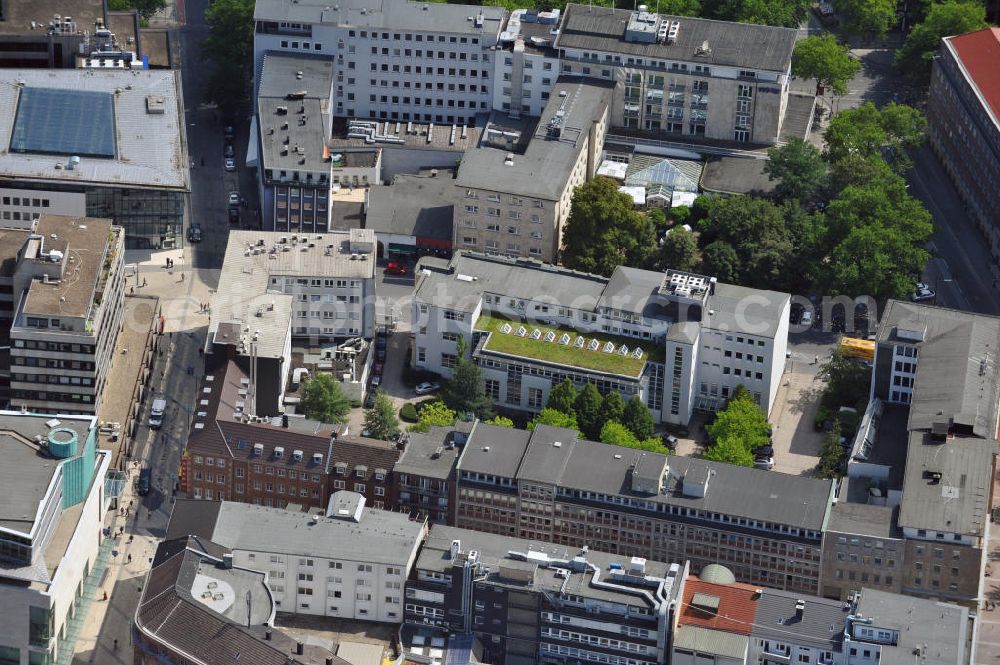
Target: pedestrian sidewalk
[[184, 294]]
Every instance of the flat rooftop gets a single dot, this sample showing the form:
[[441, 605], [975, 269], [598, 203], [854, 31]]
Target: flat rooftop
[[84, 241], [148, 148], [28, 469], [418, 205], [544, 167], [939, 630], [293, 106], [536, 562], [433, 454], [18, 15], [864, 519], [245, 295], [412, 135], [382, 536], [947, 486], [743, 45], [560, 346], [389, 15]]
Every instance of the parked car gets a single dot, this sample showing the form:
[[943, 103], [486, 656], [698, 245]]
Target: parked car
[[427, 387], [766, 463], [229, 152], [370, 398], [669, 441], [143, 483], [922, 293], [376, 380], [395, 268], [228, 132], [194, 233], [807, 318], [234, 215], [234, 198], [765, 451], [230, 164]]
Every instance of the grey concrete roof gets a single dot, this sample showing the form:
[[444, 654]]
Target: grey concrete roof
[[420, 457], [863, 519], [544, 168], [420, 206], [958, 368], [940, 630], [493, 552], [779, 498], [744, 45], [150, 151], [288, 125], [742, 309], [708, 641], [387, 14], [631, 290], [495, 450], [19, 15], [27, 469], [245, 295], [959, 501], [518, 278], [382, 536], [820, 626], [735, 175]]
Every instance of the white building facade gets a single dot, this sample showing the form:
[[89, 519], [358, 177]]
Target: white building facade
[[680, 342]]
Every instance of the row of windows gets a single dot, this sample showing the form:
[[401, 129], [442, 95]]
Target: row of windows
[[53, 346]]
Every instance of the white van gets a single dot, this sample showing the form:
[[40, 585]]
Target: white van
[[156, 413]]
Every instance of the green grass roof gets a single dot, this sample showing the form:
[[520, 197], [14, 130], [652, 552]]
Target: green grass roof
[[568, 354]]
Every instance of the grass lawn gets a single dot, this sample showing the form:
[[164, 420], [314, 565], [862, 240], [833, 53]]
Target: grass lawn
[[553, 352]]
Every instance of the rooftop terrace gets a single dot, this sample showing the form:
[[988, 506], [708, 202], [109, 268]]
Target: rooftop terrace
[[546, 347]]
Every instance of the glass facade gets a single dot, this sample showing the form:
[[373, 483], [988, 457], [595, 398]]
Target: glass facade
[[153, 219], [39, 626]]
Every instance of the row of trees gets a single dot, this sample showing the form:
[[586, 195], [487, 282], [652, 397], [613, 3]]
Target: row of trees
[[868, 239], [229, 46], [608, 418]]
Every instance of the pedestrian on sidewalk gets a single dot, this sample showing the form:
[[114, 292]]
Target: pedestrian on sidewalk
[[144, 281], [105, 595]]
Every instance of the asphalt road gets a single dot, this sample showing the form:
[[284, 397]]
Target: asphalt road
[[956, 242]]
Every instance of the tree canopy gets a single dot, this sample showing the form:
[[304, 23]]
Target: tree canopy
[[465, 391], [679, 250], [145, 8], [868, 18], [614, 433], [604, 231], [637, 418], [433, 414], [799, 168], [847, 381], [738, 429], [612, 407], [588, 411], [915, 57], [229, 45], [380, 420], [562, 397], [324, 400], [822, 58], [500, 421], [868, 131], [786, 13], [554, 418]]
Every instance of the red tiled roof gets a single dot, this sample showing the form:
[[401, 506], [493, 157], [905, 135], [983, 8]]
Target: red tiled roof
[[737, 607], [979, 53]]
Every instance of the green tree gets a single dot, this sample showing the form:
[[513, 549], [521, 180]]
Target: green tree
[[616, 434], [433, 414], [868, 131], [868, 18], [755, 228], [145, 8], [637, 418], [554, 418], [785, 13], [658, 218], [831, 455], [588, 411], [730, 450], [612, 407], [680, 214], [380, 420], [847, 381], [862, 170], [679, 250], [823, 59], [914, 59], [799, 168], [229, 45], [562, 397], [741, 424], [500, 421], [603, 231], [324, 400], [465, 391], [720, 259]]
